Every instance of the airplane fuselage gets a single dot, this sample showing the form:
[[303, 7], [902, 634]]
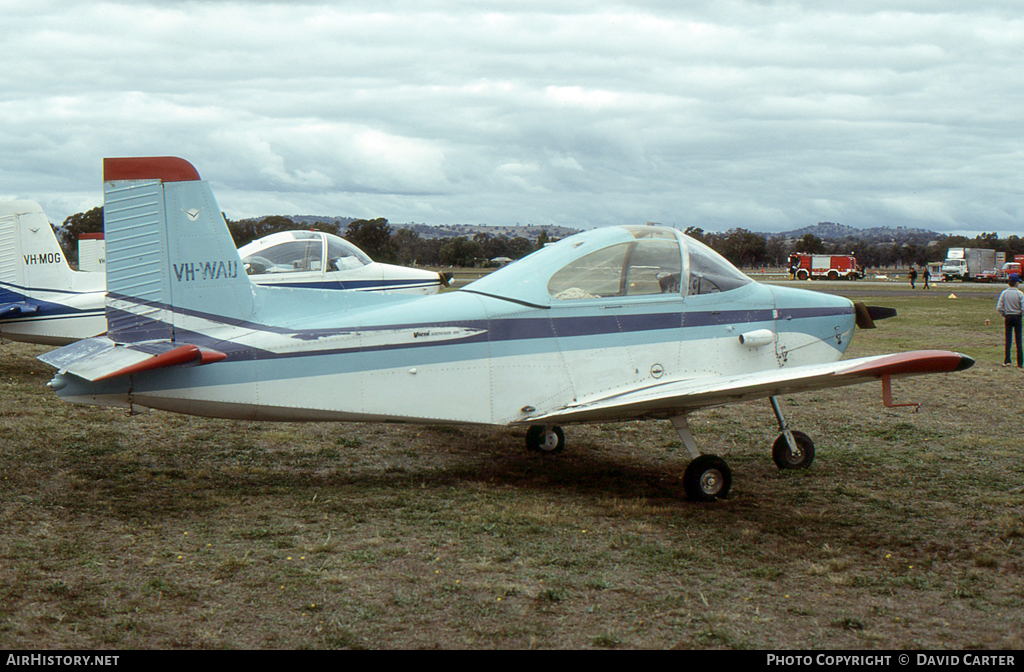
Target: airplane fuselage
[[491, 361], [59, 316]]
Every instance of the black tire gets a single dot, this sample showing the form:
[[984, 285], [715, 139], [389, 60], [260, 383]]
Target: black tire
[[801, 274], [545, 439], [707, 478], [786, 459]]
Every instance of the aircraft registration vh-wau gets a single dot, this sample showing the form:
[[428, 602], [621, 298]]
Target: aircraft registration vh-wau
[[613, 324]]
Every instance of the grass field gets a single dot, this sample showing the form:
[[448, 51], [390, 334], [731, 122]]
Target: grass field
[[163, 531]]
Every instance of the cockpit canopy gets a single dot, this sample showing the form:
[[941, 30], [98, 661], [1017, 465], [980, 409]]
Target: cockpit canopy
[[301, 252], [615, 262]]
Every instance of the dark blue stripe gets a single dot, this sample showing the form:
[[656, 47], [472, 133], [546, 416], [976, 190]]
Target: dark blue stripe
[[495, 330], [359, 285]]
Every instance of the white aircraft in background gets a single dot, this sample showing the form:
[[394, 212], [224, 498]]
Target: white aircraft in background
[[617, 323], [42, 300], [315, 259]]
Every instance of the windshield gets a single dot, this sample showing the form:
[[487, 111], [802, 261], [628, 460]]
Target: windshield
[[343, 255], [710, 272], [293, 256], [650, 265]]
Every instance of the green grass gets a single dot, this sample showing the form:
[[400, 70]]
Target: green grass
[[163, 531]]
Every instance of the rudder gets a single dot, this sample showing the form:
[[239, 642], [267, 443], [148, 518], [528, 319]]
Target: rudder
[[171, 263], [30, 256]]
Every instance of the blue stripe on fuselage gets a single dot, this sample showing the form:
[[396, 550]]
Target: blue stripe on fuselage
[[10, 293], [511, 331], [357, 285]]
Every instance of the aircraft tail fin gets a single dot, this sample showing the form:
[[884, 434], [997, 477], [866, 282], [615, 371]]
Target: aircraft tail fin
[[170, 260], [30, 256]]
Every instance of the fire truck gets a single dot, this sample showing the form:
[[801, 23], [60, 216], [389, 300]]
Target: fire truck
[[1014, 266], [824, 267]]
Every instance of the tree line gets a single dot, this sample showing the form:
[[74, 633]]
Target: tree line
[[376, 237], [746, 249]]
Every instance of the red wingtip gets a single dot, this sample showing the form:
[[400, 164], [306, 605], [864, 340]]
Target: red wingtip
[[163, 168], [912, 363]]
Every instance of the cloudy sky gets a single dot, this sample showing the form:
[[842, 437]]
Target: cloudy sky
[[719, 114]]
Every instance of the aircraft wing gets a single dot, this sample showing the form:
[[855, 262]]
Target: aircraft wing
[[101, 358], [682, 396]]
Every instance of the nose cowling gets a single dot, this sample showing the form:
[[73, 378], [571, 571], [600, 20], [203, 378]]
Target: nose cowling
[[818, 316]]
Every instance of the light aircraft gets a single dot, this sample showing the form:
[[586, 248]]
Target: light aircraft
[[42, 300], [323, 260], [613, 324]]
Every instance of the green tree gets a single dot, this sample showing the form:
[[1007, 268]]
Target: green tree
[[247, 230], [696, 233], [461, 251], [519, 247], [811, 244], [74, 226], [742, 247], [373, 236]]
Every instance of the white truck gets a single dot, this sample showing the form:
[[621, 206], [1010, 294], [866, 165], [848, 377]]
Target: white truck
[[967, 263]]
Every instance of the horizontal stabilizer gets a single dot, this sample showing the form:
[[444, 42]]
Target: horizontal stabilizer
[[682, 396], [101, 358], [17, 308]]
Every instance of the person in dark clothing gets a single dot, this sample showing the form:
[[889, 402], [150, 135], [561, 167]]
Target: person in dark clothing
[[913, 276], [927, 277], [1009, 305]]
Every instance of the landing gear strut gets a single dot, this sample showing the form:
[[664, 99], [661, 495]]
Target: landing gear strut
[[792, 450]]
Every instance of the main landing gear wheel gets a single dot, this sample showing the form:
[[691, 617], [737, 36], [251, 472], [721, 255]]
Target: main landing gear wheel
[[707, 478], [545, 439], [786, 458]]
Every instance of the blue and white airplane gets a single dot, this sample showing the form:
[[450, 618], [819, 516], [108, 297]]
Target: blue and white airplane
[[323, 260], [42, 300], [617, 323]]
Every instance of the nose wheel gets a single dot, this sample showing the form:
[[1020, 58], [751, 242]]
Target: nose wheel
[[545, 439], [797, 455], [793, 449]]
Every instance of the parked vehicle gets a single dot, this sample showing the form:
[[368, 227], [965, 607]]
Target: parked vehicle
[[990, 275], [824, 267], [968, 263], [1009, 267]]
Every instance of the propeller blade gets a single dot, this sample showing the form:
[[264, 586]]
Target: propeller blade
[[866, 315]]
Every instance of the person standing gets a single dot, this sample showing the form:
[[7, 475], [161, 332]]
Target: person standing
[[913, 276], [1009, 305], [927, 277]]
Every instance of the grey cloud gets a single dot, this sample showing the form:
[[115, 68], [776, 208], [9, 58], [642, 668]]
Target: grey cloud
[[764, 115]]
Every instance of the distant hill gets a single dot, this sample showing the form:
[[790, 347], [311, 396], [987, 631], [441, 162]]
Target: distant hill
[[528, 231], [826, 231], [832, 232], [306, 220]]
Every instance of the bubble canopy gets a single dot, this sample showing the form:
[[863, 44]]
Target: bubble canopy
[[625, 261]]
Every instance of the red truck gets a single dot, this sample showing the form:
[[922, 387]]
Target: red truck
[[824, 267], [1014, 266]]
